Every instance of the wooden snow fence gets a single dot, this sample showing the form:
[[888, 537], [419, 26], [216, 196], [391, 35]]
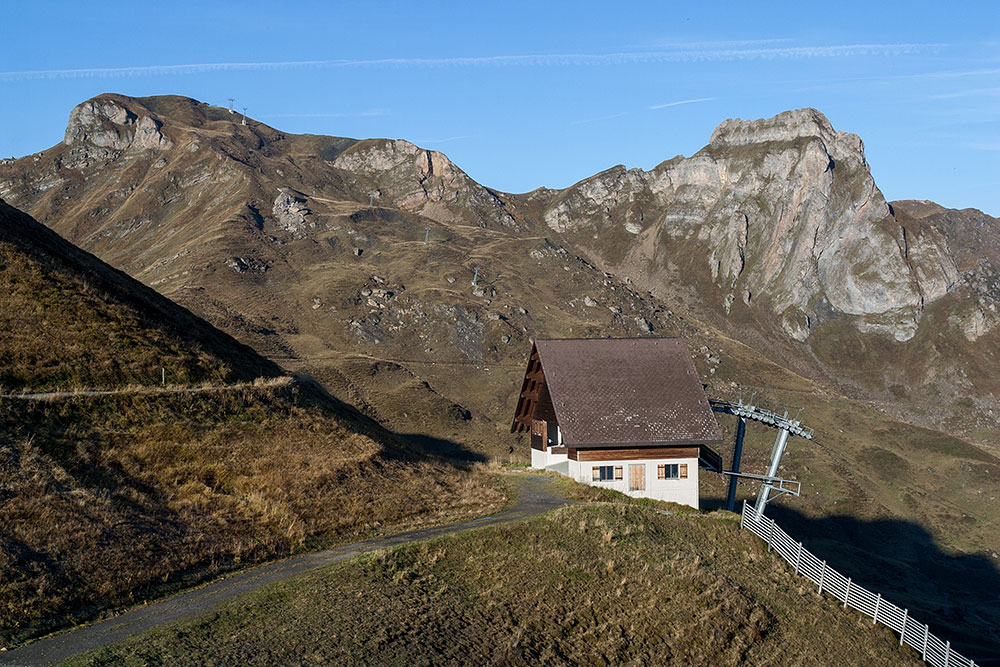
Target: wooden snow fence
[[933, 650]]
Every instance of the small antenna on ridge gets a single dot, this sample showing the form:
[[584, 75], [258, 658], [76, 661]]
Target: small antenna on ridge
[[244, 115], [231, 100]]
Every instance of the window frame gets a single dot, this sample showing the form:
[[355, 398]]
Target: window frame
[[605, 473], [668, 471]]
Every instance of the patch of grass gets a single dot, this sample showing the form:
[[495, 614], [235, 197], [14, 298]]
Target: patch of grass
[[114, 499], [591, 584], [108, 500]]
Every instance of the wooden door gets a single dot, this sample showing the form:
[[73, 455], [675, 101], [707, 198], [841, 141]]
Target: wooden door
[[637, 477]]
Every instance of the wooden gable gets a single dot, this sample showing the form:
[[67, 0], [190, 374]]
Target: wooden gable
[[534, 402]]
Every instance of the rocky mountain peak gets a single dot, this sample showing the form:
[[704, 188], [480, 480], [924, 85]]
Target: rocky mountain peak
[[787, 127], [423, 181], [107, 121], [780, 214]]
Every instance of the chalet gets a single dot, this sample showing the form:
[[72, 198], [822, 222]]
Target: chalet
[[628, 414]]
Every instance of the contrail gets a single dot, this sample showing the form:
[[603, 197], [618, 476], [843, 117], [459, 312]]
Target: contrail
[[599, 118], [421, 142], [626, 113], [680, 102], [332, 114], [530, 60]]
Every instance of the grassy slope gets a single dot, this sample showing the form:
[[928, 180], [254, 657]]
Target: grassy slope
[[111, 499], [70, 321], [599, 584]]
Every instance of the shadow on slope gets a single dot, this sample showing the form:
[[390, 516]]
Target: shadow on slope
[[393, 444], [957, 595], [74, 321], [112, 500]]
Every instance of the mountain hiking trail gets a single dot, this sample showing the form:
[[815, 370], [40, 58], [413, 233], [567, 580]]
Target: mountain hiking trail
[[167, 389], [535, 496]]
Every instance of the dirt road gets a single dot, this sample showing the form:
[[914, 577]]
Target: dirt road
[[535, 496]]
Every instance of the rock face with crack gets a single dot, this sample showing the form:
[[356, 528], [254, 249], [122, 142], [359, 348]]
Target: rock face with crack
[[107, 124], [782, 212], [425, 182]]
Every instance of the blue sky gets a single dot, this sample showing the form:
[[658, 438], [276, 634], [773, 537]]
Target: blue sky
[[522, 95]]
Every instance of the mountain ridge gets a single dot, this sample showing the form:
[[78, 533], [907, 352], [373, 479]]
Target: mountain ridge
[[417, 303], [775, 225]]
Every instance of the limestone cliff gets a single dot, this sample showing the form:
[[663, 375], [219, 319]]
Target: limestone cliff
[[106, 123], [782, 212], [425, 182]]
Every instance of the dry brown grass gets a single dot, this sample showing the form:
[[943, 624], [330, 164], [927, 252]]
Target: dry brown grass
[[110, 499], [609, 583], [113, 499]]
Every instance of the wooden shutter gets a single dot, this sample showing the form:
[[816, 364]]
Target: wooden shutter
[[637, 477], [661, 471], [618, 472], [684, 470], [597, 474]]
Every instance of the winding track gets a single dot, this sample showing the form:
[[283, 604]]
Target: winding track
[[535, 496]]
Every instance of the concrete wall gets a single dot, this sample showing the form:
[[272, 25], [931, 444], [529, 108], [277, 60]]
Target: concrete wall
[[681, 491], [546, 459]]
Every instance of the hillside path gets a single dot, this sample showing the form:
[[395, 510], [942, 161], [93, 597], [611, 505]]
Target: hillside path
[[168, 389], [535, 496]]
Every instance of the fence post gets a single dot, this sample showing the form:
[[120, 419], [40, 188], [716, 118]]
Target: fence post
[[798, 559], [902, 633], [947, 653], [822, 574], [770, 535], [878, 602], [927, 631], [743, 516], [847, 593]]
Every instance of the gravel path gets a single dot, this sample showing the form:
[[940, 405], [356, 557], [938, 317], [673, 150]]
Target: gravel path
[[535, 496]]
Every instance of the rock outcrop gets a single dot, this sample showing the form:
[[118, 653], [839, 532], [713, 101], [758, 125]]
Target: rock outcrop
[[424, 182], [781, 212], [290, 210], [106, 123]]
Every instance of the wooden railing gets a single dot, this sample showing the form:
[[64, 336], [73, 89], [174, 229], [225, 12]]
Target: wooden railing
[[918, 635]]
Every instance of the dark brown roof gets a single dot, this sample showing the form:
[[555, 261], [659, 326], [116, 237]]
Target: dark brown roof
[[626, 390]]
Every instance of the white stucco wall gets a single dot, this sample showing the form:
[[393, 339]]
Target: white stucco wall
[[547, 460], [681, 491]]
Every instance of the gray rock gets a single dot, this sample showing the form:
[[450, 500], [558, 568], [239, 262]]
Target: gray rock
[[107, 124], [783, 206], [290, 211]]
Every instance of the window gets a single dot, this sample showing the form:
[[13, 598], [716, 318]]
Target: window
[[672, 471], [606, 473], [552, 434], [667, 471]]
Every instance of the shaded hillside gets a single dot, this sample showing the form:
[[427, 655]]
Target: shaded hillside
[[71, 321], [111, 499], [604, 584]]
